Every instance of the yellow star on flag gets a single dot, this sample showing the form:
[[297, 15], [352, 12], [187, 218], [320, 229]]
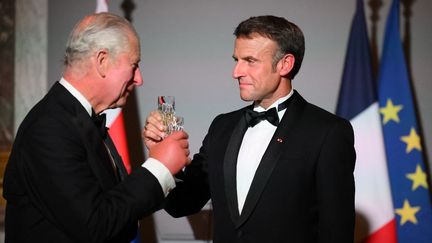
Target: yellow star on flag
[[407, 213], [418, 178], [412, 141], [390, 112]]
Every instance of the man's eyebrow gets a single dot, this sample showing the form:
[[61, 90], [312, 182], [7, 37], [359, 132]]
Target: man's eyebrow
[[250, 58], [247, 58]]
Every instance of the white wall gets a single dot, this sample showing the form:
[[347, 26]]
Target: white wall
[[187, 47]]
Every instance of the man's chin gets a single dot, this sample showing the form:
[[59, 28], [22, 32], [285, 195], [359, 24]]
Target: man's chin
[[246, 97]]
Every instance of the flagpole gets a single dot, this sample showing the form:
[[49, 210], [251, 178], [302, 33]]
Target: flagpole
[[128, 6], [375, 6]]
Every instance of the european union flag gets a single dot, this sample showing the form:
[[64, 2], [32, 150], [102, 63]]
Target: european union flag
[[408, 176]]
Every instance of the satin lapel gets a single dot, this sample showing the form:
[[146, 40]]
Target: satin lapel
[[97, 154], [117, 158], [271, 157], [230, 165]]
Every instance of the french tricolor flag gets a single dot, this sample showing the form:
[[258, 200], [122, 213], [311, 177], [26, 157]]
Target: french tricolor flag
[[358, 102]]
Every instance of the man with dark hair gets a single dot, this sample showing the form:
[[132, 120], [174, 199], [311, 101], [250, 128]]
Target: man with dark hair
[[279, 170], [65, 181]]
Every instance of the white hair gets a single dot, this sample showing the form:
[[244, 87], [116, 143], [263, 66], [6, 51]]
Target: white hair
[[96, 32]]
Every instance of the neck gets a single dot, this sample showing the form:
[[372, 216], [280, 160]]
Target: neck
[[87, 86], [283, 90]]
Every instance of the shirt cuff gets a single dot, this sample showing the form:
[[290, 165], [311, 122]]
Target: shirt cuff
[[162, 174]]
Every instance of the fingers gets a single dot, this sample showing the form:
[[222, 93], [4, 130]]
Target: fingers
[[173, 152], [182, 137], [154, 130], [179, 135], [151, 134], [155, 120]]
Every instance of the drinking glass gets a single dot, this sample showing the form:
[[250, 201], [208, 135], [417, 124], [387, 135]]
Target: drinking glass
[[166, 103], [166, 106]]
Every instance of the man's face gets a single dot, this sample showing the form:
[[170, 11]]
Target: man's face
[[258, 80], [124, 74]]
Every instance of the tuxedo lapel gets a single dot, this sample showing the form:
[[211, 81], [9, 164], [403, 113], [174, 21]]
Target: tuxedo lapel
[[271, 157], [97, 154], [99, 160], [230, 164], [121, 169]]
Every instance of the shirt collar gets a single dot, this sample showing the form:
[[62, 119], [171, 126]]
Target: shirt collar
[[276, 103], [84, 102]]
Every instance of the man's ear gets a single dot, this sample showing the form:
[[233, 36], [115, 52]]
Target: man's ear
[[286, 64], [102, 62]]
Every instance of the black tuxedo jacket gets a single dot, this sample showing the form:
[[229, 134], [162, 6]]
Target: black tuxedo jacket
[[302, 191], [60, 185]]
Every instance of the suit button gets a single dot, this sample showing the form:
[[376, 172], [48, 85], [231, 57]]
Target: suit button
[[239, 234]]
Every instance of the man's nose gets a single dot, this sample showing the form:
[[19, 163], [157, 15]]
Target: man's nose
[[138, 80], [237, 71]]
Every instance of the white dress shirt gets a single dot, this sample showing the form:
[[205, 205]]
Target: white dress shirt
[[162, 174], [254, 144]]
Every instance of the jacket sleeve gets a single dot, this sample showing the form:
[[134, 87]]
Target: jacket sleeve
[[192, 191], [54, 168]]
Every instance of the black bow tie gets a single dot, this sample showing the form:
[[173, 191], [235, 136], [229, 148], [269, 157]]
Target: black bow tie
[[254, 117], [100, 121], [271, 115]]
